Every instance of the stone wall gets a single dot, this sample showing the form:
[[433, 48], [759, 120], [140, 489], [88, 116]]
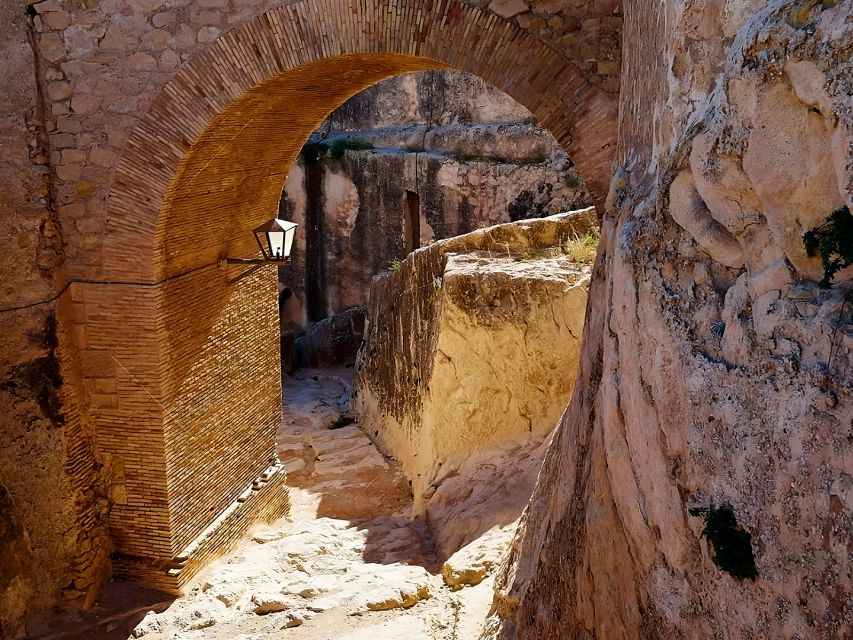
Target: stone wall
[[432, 98], [53, 538], [497, 316], [473, 156], [589, 33], [332, 342], [715, 371], [113, 159]]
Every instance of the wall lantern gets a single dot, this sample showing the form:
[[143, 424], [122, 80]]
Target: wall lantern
[[275, 239]]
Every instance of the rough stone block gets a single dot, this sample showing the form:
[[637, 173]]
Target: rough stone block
[[492, 306], [57, 20], [508, 8], [59, 90]]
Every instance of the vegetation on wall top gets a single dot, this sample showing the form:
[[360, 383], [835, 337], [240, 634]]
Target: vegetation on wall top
[[583, 248], [336, 150], [833, 242]]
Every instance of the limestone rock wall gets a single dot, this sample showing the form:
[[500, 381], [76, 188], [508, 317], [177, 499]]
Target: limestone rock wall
[[432, 98], [587, 32], [471, 345], [53, 539], [473, 157], [714, 369]]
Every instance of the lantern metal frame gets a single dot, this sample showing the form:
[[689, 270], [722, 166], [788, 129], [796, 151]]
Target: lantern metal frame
[[264, 229]]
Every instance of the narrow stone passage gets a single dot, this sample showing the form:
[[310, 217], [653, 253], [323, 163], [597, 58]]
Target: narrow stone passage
[[334, 471], [351, 561]]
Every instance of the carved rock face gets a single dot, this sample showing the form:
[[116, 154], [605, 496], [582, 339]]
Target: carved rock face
[[471, 348], [15, 557], [712, 371]]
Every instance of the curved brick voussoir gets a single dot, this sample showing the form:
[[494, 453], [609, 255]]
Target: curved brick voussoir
[[186, 345], [233, 118]]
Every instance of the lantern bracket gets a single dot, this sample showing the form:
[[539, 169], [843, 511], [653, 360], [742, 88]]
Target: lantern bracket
[[224, 262], [275, 240]]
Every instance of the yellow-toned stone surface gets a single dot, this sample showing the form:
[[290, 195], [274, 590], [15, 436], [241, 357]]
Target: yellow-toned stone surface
[[472, 344]]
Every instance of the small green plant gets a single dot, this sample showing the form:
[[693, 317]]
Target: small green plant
[[573, 181], [833, 242], [732, 545], [436, 284], [394, 265], [339, 147], [583, 248]]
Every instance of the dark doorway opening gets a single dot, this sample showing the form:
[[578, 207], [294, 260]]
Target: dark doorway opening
[[412, 222]]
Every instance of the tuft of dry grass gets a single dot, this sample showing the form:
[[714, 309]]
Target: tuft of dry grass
[[583, 248]]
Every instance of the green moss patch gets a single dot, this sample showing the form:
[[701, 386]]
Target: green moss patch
[[833, 242]]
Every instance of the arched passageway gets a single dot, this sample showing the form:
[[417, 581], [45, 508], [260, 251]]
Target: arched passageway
[[193, 424]]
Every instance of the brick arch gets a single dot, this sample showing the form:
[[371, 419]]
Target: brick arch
[[308, 58], [182, 358]]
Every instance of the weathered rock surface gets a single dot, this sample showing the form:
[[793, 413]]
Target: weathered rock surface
[[471, 344], [54, 546], [475, 561], [332, 342], [432, 98], [472, 495], [445, 154], [715, 370], [329, 573], [269, 601], [16, 587]]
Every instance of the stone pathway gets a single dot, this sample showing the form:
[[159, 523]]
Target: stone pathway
[[350, 563]]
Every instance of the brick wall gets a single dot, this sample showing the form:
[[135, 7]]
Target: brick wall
[[117, 329], [223, 399]]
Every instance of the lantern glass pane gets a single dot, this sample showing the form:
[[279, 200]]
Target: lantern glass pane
[[275, 239], [288, 240]]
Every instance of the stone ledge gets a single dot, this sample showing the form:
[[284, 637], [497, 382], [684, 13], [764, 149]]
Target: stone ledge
[[265, 500]]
